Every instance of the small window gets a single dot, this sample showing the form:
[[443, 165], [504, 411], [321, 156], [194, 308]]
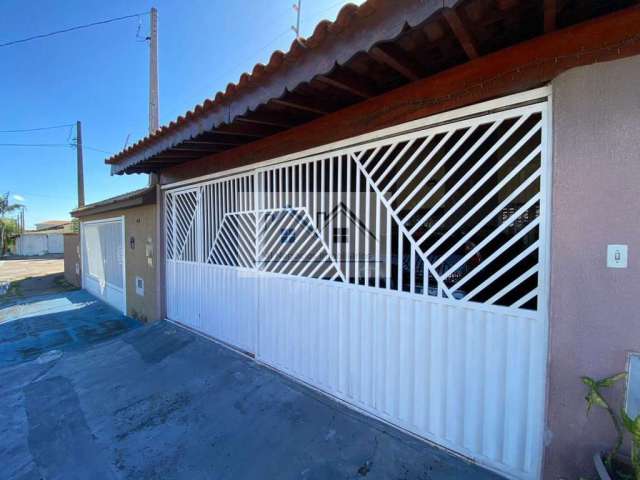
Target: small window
[[340, 235], [287, 235]]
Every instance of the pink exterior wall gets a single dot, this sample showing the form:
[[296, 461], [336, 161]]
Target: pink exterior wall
[[595, 311]]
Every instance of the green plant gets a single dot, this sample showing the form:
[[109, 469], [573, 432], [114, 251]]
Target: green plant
[[5, 225], [621, 423], [632, 425], [8, 229]]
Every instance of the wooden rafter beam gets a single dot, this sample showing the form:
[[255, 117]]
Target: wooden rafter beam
[[273, 120], [550, 15], [246, 130], [210, 143], [394, 58], [217, 138], [174, 154], [348, 82], [194, 149], [505, 5], [461, 32], [298, 102]]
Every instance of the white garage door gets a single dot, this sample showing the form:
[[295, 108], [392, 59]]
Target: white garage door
[[55, 243], [32, 244], [103, 270], [404, 273]]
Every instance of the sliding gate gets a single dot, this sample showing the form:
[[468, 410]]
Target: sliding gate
[[404, 275]]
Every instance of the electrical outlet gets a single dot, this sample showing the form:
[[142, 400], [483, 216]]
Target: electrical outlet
[[140, 286]]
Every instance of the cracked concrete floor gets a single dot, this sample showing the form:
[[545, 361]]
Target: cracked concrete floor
[[157, 401]]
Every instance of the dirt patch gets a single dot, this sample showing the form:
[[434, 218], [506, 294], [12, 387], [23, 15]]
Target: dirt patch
[[13, 269], [23, 277]]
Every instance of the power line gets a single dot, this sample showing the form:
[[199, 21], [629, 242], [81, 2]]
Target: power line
[[36, 145], [37, 129], [71, 29], [93, 148], [54, 145]]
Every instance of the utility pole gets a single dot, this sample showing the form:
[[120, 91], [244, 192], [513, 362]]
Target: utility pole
[[153, 72], [153, 80], [80, 167]]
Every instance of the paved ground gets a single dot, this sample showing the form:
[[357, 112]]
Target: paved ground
[[61, 322], [24, 277], [119, 400]]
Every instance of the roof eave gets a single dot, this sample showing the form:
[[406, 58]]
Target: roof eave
[[146, 196], [386, 22]]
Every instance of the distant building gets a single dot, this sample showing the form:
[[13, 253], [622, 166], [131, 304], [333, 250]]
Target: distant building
[[45, 239], [53, 224]]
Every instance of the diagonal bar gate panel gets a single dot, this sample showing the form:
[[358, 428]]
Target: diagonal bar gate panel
[[210, 238], [404, 274]]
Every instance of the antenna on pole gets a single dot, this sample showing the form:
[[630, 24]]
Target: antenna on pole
[[297, 7]]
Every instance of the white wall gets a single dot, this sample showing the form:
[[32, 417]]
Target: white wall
[[40, 244]]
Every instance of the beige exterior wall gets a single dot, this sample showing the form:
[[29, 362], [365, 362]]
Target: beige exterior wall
[[141, 260], [595, 318], [72, 261]]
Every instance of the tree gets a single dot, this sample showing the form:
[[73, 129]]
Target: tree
[[5, 209], [10, 229]]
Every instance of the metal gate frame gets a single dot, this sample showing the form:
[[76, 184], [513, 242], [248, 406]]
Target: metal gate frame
[[505, 103]]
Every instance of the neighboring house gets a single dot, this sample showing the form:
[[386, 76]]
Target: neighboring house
[[115, 256], [52, 224], [48, 237], [489, 147]]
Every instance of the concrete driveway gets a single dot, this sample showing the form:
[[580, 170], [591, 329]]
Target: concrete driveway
[[116, 399]]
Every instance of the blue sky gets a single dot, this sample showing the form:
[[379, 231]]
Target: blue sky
[[100, 76]]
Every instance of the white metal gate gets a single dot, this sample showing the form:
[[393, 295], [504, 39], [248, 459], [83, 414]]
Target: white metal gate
[[404, 274], [103, 267], [210, 251]]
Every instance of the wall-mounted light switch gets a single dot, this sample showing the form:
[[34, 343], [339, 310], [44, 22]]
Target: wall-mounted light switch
[[617, 256]]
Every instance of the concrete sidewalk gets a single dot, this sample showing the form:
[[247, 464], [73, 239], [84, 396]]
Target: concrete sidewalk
[[160, 402]]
